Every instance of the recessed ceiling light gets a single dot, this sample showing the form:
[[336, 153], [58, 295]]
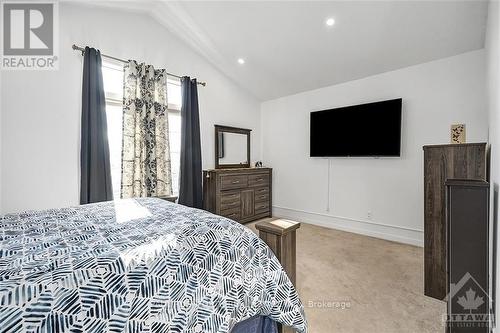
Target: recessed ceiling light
[[330, 22], [241, 61]]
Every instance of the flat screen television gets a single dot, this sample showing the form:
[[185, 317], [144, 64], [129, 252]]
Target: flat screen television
[[372, 129]]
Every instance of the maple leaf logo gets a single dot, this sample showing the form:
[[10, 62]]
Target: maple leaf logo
[[470, 301]]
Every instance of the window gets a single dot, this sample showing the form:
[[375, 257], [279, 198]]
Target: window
[[112, 73], [174, 129]]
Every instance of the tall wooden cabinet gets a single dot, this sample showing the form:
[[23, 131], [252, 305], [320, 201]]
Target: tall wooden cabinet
[[242, 195], [442, 162]]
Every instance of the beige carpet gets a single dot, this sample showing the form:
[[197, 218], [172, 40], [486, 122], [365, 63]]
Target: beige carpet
[[362, 284]]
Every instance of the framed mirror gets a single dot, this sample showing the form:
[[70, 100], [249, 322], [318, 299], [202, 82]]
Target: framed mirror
[[232, 147]]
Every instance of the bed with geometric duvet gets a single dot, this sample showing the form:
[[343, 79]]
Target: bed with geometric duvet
[[139, 265]]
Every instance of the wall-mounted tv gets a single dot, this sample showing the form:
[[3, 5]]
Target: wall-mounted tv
[[372, 129]]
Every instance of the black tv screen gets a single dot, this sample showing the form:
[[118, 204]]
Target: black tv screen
[[372, 129]]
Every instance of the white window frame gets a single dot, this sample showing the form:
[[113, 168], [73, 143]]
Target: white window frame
[[112, 98], [172, 106], [174, 109]]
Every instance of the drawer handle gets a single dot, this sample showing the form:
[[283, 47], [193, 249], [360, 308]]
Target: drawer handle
[[235, 182], [260, 179], [231, 215], [262, 196]]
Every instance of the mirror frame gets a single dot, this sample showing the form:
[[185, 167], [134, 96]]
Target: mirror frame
[[219, 129]]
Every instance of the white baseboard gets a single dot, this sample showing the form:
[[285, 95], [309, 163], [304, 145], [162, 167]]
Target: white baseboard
[[368, 228]]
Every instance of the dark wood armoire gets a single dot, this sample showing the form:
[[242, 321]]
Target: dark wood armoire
[[443, 162]]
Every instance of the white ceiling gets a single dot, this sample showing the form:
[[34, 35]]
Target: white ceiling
[[288, 48]]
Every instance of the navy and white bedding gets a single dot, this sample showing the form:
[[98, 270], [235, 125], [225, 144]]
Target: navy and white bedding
[[137, 265]]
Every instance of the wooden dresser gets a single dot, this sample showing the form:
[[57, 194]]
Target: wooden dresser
[[242, 195], [443, 162]]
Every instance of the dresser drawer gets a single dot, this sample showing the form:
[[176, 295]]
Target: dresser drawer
[[261, 207], [230, 197], [233, 214], [258, 180], [261, 190], [233, 181], [261, 197], [230, 205]]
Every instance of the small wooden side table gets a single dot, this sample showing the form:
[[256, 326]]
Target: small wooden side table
[[280, 236]]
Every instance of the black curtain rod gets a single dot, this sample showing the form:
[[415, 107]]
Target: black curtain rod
[[78, 48]]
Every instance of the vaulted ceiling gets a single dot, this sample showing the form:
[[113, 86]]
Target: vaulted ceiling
[[288, 48]]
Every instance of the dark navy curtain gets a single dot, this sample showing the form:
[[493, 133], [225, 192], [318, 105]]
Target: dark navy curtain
[[190, 181], [95, 181]]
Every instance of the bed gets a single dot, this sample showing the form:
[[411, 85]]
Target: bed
[[139, 265]]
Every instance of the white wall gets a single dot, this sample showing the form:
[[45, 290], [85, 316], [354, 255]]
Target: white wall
[[493, 70], [435, 95], [41, 110], [1, 144]]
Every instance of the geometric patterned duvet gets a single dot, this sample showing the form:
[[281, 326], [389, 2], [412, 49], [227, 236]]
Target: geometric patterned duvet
[[137, 265]]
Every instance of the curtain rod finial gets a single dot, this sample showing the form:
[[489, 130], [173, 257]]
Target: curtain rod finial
[[77, 48]]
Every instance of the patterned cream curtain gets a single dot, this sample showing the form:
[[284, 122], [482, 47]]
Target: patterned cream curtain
[[146, 151]]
